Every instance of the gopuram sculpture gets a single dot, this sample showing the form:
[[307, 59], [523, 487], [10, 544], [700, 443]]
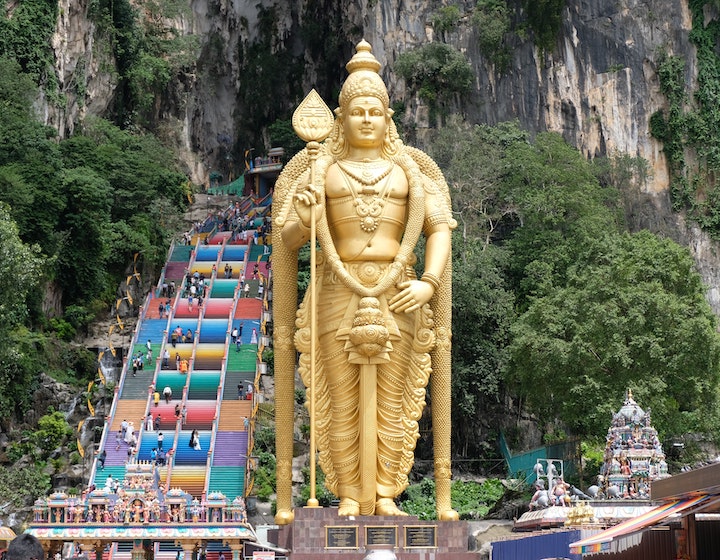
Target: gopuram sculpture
[[370, 333]]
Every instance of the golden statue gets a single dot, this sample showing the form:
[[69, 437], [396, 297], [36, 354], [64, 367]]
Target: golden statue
[[377, 332]]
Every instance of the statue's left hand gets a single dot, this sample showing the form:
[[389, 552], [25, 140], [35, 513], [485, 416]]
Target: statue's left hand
[[412, 296]]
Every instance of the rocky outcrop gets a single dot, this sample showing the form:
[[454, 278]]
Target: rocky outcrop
[[597, 87], [83, 66]]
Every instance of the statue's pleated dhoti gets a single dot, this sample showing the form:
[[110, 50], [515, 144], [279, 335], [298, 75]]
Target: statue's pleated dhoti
[[399, 366]]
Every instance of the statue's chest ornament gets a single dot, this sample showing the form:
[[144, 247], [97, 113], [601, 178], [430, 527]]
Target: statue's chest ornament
[[370, 201]]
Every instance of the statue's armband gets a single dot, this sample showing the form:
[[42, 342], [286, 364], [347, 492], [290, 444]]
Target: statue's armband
[[435, 221]]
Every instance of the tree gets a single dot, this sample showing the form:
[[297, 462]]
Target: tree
[[560, 207], [83, 257], [491, 20], [482, 315], [473, 159], [436, 71], [21, 486], [30, 163], [52, 431], [22, 264], [144, 194], [631, 314]]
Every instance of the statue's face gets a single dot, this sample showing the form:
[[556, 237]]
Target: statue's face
[[365, 122]]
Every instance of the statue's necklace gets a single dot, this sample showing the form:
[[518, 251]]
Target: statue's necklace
[[368, 171], [368, 203]]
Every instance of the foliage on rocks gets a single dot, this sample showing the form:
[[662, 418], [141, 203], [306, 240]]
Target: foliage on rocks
[[435, 71], [688, 125]]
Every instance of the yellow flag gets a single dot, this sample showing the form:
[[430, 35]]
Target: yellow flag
[[79, 445], [101, 375], [120, 323]]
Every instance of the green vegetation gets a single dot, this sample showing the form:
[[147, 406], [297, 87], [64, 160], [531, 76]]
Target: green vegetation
[[491, 20], [148, 54], [690, 123], [322, 494], [25, 36], [264, 485], [446, 19], [282, 134], [558, 308], [52, 432], [73, 214], [272, 76], [23, 484], [631, 313], [264, 476], [436, 71], [472, 500], [544, 18]]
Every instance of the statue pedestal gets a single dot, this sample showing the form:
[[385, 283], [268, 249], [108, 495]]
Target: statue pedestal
[[321, 533]]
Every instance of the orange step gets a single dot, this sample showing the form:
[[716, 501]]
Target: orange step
[[130, 410], [231, 415]]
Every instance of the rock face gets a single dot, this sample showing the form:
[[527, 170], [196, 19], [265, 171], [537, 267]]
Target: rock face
[[597, 87]]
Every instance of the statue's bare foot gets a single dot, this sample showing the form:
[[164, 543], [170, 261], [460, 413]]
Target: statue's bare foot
[[448, 515], [284, 517], [348, 507], [386, 506]]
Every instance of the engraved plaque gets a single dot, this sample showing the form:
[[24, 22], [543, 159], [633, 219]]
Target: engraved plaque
[[420, 536], [341, 537], [381, 536]]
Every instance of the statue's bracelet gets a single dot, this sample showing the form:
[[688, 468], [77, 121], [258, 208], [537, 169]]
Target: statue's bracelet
[[431, 279]]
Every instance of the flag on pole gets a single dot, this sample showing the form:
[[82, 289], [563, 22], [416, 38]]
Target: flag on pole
[[91, 408], [81, 450]]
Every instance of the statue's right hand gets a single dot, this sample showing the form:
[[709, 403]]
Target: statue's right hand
[[308, 201]]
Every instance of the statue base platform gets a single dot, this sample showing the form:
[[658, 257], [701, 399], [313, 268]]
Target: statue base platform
[[322, 533]]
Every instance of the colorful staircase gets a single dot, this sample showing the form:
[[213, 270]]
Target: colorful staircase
[[209, 390]]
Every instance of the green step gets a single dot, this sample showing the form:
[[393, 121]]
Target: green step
[[245, 360], [117, 472], [228, 480]]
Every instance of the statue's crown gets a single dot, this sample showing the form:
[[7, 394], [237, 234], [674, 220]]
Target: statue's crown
[[364, 78]]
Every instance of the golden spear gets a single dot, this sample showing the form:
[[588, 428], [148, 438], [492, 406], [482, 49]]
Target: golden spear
[[312, 121]]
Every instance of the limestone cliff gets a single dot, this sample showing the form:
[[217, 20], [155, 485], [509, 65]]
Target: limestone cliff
[[598, 86]]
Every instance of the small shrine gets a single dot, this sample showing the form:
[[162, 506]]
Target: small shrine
[[633, 454], [633, 459], [216, 504]]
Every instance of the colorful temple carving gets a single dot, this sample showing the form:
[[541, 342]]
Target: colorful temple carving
[[137, 500], [633, 459], [633, 454]]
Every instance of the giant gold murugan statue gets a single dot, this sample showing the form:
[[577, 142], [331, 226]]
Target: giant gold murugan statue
[[381, 333]]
